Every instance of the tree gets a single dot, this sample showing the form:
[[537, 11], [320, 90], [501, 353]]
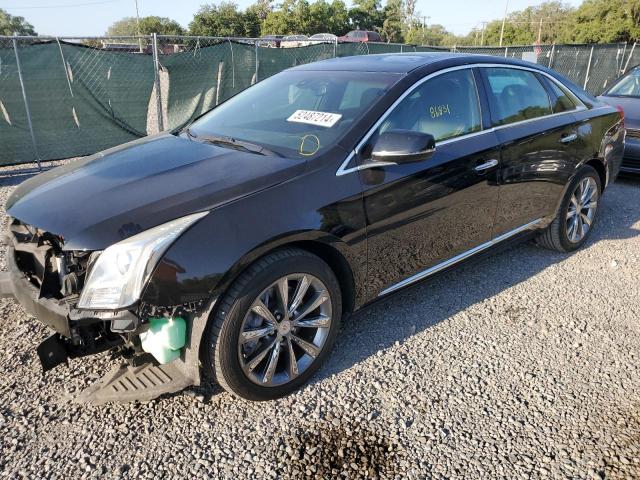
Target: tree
[[222, 20], [10, 24], [148, 26], [606, 21], [254, 17], [300, 16], [523, 27], [433, 35], [392, 24], [366, 15], [282, 21], [328, 17]]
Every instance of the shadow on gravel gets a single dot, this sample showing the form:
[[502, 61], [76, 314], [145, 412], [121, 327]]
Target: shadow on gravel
[[424, 305]]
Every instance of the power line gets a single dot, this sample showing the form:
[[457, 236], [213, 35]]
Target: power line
[[68, 5]]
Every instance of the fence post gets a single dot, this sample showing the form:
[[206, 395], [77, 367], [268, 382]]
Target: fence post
[[553, 51], [626, 65], [335, 47], [233, 66], [26, 103], [257, 46], [156, 67], [586, 77], [506, 52]]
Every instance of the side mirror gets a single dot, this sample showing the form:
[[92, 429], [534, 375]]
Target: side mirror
[[403, 146]]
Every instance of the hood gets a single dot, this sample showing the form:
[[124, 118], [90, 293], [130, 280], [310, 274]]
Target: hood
[[102, 199], [631, 107]]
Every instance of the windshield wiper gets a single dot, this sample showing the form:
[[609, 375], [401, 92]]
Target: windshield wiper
[[224, 141]]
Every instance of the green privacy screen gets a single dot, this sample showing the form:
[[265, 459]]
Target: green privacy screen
[[89, 95], [93, 100]]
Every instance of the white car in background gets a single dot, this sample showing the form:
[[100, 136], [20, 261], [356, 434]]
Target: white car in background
[[323, 37], [290, 41]]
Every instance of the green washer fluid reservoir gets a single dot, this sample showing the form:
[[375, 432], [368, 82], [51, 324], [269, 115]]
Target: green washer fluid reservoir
[[165, 338]]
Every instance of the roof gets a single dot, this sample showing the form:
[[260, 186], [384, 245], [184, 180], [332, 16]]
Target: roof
[[405, 62], [385, 62]]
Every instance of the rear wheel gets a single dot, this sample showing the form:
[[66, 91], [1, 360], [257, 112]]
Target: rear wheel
[[275, 327], [574, 222]]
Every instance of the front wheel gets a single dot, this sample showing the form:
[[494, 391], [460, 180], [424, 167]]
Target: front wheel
[[574, 222], [275, 326]]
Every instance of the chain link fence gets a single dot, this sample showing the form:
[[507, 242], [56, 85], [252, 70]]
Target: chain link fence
[[67, 97]]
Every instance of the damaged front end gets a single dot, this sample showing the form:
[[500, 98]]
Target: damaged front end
[[91, 301]]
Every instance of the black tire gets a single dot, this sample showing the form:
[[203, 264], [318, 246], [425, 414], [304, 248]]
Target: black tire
[[221, 357], [556, 235]]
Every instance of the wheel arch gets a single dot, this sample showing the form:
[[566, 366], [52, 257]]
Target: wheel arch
[[599, 166], [310, 242], [331, 250]]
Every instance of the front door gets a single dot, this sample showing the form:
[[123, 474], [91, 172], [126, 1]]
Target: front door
[[422, 214]]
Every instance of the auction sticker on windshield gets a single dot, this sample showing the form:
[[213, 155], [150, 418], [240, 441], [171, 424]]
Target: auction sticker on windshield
[[320, 119]]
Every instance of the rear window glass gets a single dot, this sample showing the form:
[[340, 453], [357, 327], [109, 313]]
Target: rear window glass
[[517, 95], [562, 102]]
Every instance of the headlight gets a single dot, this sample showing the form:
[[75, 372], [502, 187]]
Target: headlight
[[121, 271]]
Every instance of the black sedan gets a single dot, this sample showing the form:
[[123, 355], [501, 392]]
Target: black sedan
[[624, 94], [235, 248]]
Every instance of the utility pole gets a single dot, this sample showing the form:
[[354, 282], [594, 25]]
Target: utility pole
[[540, 32], [138, 26], [484, 27], [504, 20], [425, 20]]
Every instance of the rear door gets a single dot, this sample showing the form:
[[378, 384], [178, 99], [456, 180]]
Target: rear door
[[538, 136], [420, 215]]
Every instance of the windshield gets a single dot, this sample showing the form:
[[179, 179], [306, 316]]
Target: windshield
[[628, 86], [296, 113]]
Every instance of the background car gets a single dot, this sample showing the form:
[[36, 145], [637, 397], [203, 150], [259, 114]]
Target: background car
[[625, 94], [271, 41], [327, 37], [289, 41], [361, 36]]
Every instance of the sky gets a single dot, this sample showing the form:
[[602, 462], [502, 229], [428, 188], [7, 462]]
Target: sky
[[93, 17]]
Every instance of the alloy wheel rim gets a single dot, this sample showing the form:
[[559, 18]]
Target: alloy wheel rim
[[582, 209], [285, 329]]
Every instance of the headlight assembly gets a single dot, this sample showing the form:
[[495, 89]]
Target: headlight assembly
[[119, 274]]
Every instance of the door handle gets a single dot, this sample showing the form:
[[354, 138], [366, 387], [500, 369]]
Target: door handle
[[486, 165], [569, 138]]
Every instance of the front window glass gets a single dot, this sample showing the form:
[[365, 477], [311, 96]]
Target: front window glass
[[517, 95], [296, 113], [445, 106], [629, 86]]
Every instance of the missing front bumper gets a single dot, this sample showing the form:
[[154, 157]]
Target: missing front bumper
[[49, 311]]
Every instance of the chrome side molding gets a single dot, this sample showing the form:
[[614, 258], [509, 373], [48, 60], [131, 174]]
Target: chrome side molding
[[458, 258], [569, 138], [486, 165]]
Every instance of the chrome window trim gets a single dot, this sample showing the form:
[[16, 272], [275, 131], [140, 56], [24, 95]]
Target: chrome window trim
[[458, 258], [343, 169]]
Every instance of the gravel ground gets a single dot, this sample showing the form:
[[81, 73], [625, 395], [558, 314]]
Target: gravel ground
[[523, 365]]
